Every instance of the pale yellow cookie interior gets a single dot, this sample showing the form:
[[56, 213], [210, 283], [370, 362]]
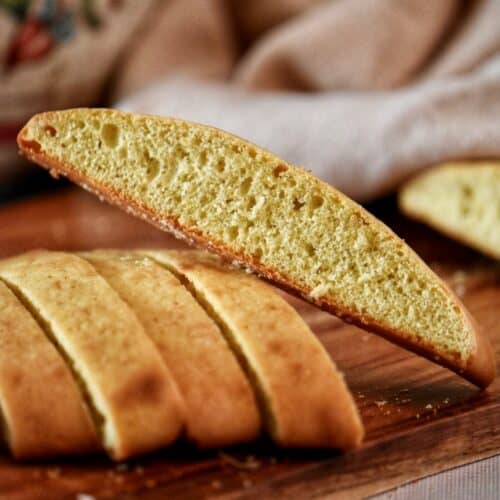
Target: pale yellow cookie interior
[[241, 197]]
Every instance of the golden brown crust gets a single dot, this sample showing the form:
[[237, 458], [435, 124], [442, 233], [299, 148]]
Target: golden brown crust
[[303, 395], [41, 405], [220, 405], [122, 375], [471, 369]]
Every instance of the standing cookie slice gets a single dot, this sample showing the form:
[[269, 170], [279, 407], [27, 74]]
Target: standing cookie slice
[[461, 200], [134, 402], [301, 394], [252, 207], [42, 409], [220, 405]]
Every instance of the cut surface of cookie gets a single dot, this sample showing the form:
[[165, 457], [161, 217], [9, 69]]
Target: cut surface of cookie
[[120, 372], [462, 200], [220, 405], [303, 397], [43, 411], [250, 206]]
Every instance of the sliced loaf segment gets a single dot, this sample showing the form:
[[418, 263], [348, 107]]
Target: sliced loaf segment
[[134, 401], [252, 207], [303, 397], [42, 409], [220, 405], [461, 200]]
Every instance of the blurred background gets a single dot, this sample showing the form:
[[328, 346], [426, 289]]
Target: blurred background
[[365, 93]]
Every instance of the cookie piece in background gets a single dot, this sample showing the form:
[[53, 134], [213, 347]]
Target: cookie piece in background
[[461, 200]]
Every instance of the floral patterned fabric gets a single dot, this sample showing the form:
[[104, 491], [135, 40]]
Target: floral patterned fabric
[[58, 53]]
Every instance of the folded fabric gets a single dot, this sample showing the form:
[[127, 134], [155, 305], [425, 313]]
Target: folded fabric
[[362, 92]]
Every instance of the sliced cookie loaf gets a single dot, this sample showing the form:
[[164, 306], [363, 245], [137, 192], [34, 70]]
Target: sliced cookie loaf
[[252, 207]]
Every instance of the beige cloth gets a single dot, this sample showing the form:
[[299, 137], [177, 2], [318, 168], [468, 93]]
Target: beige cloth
[[362, 92]]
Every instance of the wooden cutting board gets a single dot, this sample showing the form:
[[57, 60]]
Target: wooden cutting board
[[420, 418]]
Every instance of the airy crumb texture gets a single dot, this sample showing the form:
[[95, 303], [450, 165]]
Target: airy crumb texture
[[460, 199], [279, 220]]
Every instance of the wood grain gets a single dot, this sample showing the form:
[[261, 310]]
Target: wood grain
[[420, 418]]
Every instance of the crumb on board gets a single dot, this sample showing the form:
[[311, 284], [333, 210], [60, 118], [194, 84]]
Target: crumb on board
[[122, 467], [53, 472], [150, 483], [216, 484], [249, 463]]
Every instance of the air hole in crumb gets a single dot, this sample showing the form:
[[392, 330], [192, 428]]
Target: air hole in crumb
[[96, 124], [245, 185], [123, 152], [278, 170], [258, 253], [251, 202], [80, 124], [50, 130], [152, 169], [316, 201], [252, 153], [297, 204], [233, 232], [110, 134], [33, 145], [235, 148], [203, 158], [203, 214], [181, 152], [310, 249], [466, 191], [221, 165]]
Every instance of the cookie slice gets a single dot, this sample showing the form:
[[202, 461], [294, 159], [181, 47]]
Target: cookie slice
[[462, 200], [220, 405], [301, 394], [134, 402], [276, 219], [42, 409]]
